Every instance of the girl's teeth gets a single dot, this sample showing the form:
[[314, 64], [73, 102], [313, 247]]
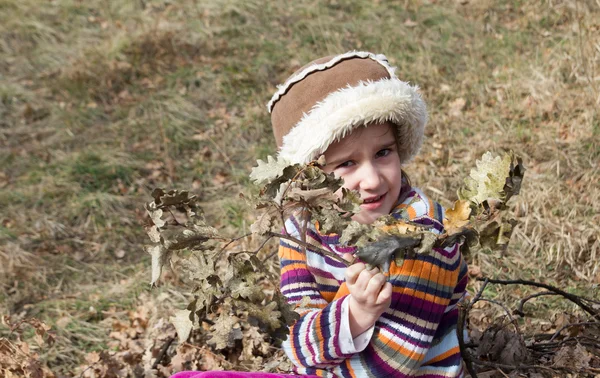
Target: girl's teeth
[[373, 200]]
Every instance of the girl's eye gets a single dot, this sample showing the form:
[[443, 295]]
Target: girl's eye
[[384, 152], [345, 164]]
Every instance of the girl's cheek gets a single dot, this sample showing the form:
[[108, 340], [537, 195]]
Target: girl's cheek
[[349, 182]]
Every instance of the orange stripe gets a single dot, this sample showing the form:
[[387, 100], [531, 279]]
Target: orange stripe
[[291, 254], [414, 268], [350, 369], [421, 295], [320, 338], [399, 348], [444, 355], [412, 214], [293, 267], [328, 295], [294, 347], [431, 209], [343, 290]]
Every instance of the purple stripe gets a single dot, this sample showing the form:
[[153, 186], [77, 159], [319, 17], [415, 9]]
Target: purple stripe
[[336, 335], [297, 298], [310, 327], [448, 322], [326, 331], [296, 276], [449, 254], [295, 342], [427, 221], [415, 306], [346, 249], [318, 272]]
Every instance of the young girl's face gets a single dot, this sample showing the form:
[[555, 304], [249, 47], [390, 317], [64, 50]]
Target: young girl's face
[[368, 161]]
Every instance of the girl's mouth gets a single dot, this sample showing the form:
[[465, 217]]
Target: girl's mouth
[[371, 203]]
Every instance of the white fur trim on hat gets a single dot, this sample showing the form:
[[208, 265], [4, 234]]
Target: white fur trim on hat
[[341, 111], [281, 89]]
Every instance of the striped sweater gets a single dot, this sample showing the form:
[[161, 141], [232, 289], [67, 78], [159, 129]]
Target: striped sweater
[[415, 337]]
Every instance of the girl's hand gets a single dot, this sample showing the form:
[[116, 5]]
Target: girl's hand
[[370, 296]]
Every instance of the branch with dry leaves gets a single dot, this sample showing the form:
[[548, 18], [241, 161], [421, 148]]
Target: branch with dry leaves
[[503, 347], [226, 284]]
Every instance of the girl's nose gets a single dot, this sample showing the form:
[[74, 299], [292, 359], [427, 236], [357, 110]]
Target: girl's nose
[[370, 177]]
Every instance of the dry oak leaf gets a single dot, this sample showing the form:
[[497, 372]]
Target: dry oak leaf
[[269, 170], [458, 217], [575, 358], [225, 331], [182, 324]]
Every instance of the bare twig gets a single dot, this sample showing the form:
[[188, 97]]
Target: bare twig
[[233, 241], [519, 310], [478, 294], [573, 298], [571, 325], [269, 256], [162, 352], [257, 249], [466, 356], [88, 368]]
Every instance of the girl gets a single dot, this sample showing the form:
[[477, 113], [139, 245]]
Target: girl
[[356, 322]]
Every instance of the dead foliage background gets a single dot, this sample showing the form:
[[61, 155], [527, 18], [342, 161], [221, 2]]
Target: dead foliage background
[[100, 101]]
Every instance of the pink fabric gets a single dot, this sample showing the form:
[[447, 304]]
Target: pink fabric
[[233, 374]]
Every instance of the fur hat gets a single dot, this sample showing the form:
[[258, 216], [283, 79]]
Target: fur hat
[[326, 99]]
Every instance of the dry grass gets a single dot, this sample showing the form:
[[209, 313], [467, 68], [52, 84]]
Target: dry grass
[[101, 101]]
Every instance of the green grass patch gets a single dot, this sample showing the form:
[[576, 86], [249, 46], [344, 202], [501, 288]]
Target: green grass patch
[[95, 174]]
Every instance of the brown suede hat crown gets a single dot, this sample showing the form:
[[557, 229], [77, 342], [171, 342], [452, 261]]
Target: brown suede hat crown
[[326, 99]]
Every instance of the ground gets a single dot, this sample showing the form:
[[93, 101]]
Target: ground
[[102, 101]]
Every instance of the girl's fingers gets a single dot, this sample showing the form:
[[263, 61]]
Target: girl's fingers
[[364, 277], [348, 257], [385, 294], [353, 271], [374, 286]]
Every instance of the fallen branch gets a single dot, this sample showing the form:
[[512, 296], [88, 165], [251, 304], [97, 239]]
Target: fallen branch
[[519, 310], [573, 298]]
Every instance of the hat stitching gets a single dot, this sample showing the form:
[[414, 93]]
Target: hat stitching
[[282, 89]]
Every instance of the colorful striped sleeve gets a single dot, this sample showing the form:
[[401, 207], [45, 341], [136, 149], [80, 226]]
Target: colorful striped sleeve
[[314, 340]]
